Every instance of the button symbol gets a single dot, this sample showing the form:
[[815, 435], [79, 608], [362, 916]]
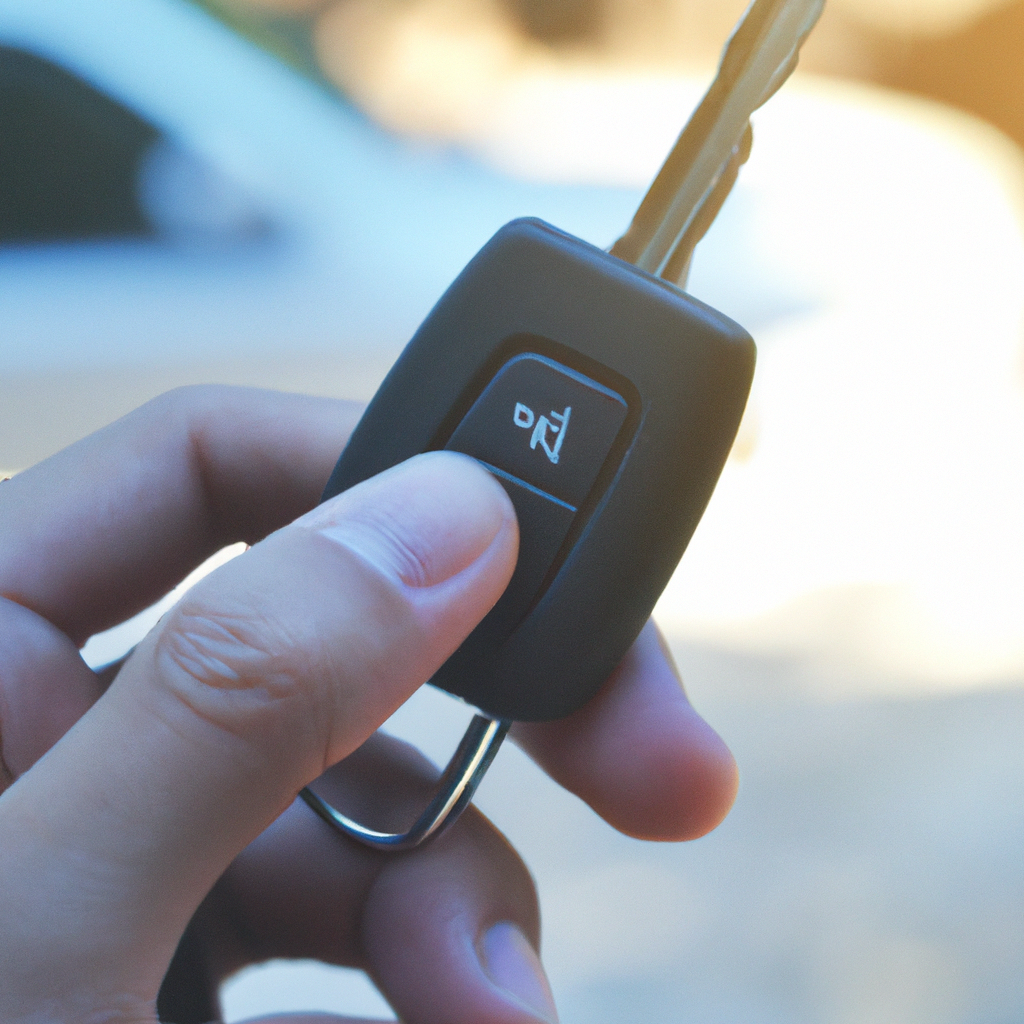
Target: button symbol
[[523, 416], [558, 423]]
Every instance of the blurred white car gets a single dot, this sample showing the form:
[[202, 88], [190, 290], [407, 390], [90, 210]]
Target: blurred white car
[[172, 193]]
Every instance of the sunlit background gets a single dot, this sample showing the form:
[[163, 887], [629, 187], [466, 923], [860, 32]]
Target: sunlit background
[[276, 192]]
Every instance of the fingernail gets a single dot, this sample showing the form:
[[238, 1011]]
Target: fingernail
[[423, 521], [515, 969]]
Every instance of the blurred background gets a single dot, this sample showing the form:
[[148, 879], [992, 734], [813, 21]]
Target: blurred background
[[274, 192]]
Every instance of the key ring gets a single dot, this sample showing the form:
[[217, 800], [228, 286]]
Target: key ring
[[455, 790]]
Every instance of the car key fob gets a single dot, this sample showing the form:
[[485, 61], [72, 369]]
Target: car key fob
[[602, 397], [605, 400]]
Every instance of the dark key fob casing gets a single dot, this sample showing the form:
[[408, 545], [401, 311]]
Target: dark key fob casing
[[606, 401]]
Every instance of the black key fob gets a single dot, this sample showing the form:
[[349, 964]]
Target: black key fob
[[606, 401]]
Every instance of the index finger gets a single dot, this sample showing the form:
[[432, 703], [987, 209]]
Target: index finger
[[106, 527]]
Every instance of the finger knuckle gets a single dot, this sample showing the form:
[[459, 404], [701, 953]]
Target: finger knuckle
[[231, 663]]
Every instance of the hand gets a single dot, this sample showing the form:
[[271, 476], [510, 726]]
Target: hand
[[168, 798]]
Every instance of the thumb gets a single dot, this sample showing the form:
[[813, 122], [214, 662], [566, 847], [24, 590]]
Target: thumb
[[272, 668]]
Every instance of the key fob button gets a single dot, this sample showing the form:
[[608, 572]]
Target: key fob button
[[544, 423], [543, 523]]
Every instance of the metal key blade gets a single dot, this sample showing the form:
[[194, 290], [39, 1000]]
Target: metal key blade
[[699, 171]]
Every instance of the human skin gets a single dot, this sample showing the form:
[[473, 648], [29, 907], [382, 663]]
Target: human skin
[[167, 794]]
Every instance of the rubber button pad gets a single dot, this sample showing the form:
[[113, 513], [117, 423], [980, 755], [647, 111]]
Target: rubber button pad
[[545, 431], [545, 424]]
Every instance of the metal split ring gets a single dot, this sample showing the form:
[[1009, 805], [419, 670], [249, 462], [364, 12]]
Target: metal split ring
[[454, 792]]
